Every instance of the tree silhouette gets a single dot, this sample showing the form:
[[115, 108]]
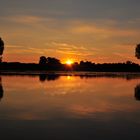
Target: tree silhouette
[[43, 60], [53, 61], [1, 49], [137, 92], [1, 89], [137, 51]]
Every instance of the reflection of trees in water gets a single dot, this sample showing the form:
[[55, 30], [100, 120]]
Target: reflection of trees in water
[[48, 77], [1, 89], [137, 92]]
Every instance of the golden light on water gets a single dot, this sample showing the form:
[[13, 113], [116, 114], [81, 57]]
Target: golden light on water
[[68, 77]]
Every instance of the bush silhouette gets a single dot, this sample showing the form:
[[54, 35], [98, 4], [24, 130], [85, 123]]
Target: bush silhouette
[[43, 60]]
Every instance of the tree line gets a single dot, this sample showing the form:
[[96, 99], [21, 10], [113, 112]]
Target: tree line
[[54, 64]]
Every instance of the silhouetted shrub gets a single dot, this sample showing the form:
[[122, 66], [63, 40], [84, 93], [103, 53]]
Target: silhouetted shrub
[[43, 60]]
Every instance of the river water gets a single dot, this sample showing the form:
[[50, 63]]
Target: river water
[[69, 107]]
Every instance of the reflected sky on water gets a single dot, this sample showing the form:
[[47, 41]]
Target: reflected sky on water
[[70, 107], [53, 96]]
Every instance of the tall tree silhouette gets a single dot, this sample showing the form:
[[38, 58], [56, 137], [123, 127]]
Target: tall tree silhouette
[[1, 49], [137, 92], [43, 60], [137, 51], [1, 89]]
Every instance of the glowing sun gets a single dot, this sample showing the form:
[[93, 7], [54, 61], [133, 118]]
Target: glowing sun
[[69, 62]]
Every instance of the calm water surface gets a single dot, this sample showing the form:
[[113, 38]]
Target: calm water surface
[[69, 107]]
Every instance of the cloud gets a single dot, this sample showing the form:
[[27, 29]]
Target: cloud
[[66, 48], [103, 31], [14, 49], [25, 19]]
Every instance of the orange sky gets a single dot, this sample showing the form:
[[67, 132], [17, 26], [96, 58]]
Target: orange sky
[[84, 30]]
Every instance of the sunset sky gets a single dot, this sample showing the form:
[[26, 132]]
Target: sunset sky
[[94, 30]]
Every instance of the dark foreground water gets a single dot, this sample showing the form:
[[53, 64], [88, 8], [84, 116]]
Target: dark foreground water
[[55, 107]]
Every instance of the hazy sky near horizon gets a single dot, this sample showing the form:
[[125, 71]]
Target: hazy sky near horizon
[[95, 30]]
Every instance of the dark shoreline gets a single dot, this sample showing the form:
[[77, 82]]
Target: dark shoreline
[[18, 67]]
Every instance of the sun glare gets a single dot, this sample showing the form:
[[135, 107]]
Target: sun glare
[[69, 62]]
